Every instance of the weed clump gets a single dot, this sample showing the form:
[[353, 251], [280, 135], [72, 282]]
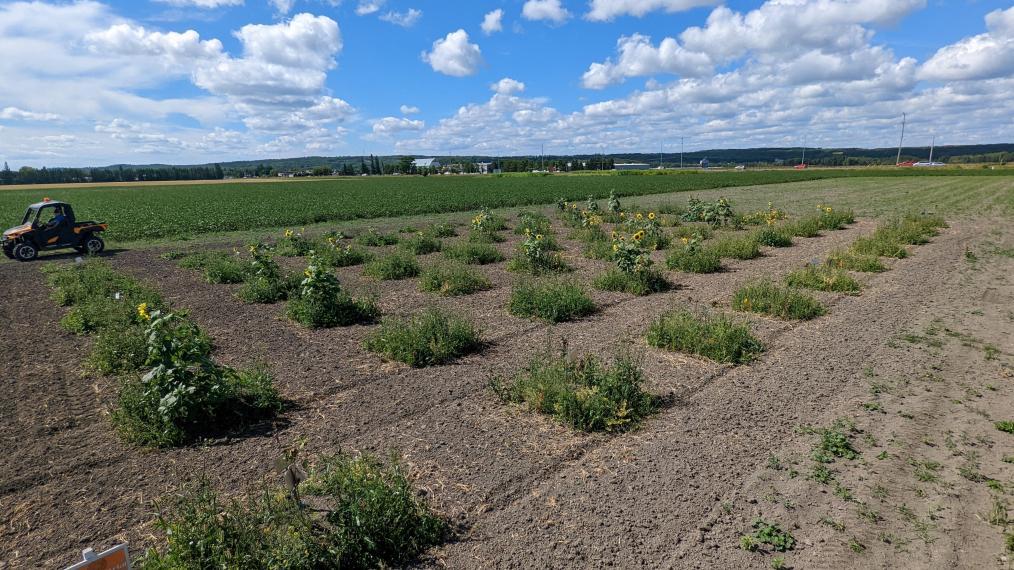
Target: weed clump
[[638, 283], [421, 244], [452, 279], [393, 267], [583, 392], [769, 534], [736, 248], [551, 301], [370, 517], [535, 256], [374, 238], [716, 337], [773, 237], [218, 267], [474, 253], [853, 261], [690, 256], [822, 278], [430, 338], [767, 298]]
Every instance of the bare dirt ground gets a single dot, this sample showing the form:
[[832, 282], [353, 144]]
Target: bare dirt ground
[[526, 492]]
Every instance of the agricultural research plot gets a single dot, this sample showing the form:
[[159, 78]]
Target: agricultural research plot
[[425, 386]]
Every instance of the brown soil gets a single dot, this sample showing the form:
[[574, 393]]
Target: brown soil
[[527, 492]]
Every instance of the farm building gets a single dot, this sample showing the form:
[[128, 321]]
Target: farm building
[[632, 166], [426, 163]]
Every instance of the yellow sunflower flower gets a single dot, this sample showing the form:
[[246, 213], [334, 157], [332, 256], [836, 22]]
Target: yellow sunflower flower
[[651, 215], [142, 311]]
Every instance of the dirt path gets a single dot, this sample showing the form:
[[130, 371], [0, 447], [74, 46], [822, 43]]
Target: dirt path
[[530, 493]]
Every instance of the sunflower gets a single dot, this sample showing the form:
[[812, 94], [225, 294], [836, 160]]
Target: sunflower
[[639, 235], [639, 216], [538, 237], [288, 233], [651, 215]]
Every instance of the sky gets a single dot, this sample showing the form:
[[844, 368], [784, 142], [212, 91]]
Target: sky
[[90, 83]]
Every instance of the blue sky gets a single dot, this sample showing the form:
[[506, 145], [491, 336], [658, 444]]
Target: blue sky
[[189, 81]]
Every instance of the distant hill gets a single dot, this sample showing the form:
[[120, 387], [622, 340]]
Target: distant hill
[[768, 155]]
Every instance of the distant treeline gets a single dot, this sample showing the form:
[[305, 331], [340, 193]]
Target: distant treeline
[[29, 175], [373, 165]]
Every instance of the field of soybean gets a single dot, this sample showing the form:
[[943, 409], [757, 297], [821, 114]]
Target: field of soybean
[[153, 212]]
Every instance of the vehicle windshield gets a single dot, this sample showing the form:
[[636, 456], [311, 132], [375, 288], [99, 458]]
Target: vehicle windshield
[[29, 216]]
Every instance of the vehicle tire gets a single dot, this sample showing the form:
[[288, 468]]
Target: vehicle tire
[[93, 245], [25, 252]]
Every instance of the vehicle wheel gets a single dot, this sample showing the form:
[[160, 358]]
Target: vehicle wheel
[[94, 245], [25, 252]]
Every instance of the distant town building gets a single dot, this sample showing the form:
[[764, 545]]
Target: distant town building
[[484, 167], [632, 166], [426, 163]]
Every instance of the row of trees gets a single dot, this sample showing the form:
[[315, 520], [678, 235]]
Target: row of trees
[[29, 175]]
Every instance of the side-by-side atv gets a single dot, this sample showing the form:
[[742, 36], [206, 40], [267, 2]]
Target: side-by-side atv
[[51, 225]]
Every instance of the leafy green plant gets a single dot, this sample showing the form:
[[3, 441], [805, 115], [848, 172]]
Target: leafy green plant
[[822, 278], [184, 393], [690, 256], [807, 227], [440, 230], [450, 279], [773, 237], [322, 303], [644, 282], [582, 392], [369, 517], [1005, 426], [551, 301], [393, 267], [535, 256], [834, 443], [420, 244], [430, 338], [474, 253], [372, 237], [767, 298], [533, 223], [712, 336], [770, 534], [293, 244], [265, 282], [218, 267], [716, 213], [335, 254]]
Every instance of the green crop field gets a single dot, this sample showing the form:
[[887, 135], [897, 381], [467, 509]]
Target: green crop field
[[151, 212]]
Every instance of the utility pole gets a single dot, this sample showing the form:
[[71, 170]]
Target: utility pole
[[660, 155], [681, 153], [904, 117]]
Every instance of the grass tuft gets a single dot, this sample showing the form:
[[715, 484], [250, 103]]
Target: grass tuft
[[823, 278], [427, 339], [767, 298], [735, 247], [452, 279], [773, 237], [702, 260], [393, 267], [551, 301], [638, 283], [420, 244], [474, 253], [583, 393], [716, 337]]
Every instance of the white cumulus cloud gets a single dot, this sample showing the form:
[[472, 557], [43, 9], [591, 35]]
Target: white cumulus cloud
[[605, 10], [409, 110], [507, 86], [16, 114], [493, 22], [984, 56], [454, 55], [202, 3], [405, 19], [367, 7], [550, 10], [392, 125]]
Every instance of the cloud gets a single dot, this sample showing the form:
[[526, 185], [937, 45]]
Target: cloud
[[16, 114], [176, 51], [793, 41], [202, 3], [405, 19], [605, 10], [507, 86], [638, 57], [392, 125], [453, 55], [551, 10], [367, 7], [984, 56], [409, 110], [283, 6], [493, 22]]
